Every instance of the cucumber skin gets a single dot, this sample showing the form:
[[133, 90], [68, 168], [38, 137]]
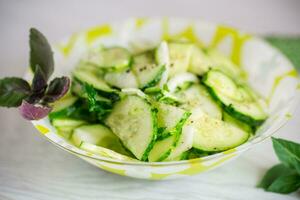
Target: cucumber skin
[[156, 79], [177, 132], [154, 135], [112, 95], [229, 109]]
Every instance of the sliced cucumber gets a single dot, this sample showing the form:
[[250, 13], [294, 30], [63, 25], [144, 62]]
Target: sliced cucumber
[[234, 99], [162, 149], [121, 79], [65, 126], [114, 58], [79, 90], [177, 137], [224, 64], [104, 152], [216, 135], [67, 122], [163, 96], [162, 58], [168, 117], [223, 84], [184, 142], [197, 97], [133, 120], [64, 103], [134, 91], [65, 131], [179, 55], [181, 81], [92, 77], [99, 135], [200, 62], [147, 72], [239, 124]]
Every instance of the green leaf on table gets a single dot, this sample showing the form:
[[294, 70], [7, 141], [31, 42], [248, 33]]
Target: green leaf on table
[[40, 53], [12, 91], [288, 153], [285, 184], [290, 46], [272, 174]]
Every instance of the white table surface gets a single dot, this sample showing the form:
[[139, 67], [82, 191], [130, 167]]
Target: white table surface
[[32, 168]]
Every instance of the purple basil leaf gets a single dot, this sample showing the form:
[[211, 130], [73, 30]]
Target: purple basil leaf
[[39, 81], [33, 111], [58, 87], [12, 91], [40, 53]]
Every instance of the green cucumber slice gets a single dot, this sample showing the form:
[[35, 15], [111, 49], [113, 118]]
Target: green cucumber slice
[[179, 56], [92, 77], [168, 117], [197, 97], [235, 100], [134, 121], [200, 62], [224, 64], [67, 122], [121, 79], [181, 81], [173, 139], [184, 142], [161, 149], [99, 135], [239, 124], [63, 103], [147, 72], [105, 152], [162, 58], [114, 58], [216, 135]]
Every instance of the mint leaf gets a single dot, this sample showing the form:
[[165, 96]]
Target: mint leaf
[[58, 87], [34, 111], [12, 91], [272, 174], [288, 153], [40, 53], [285, 184]]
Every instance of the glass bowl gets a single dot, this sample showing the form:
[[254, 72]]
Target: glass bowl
[[268, 71]]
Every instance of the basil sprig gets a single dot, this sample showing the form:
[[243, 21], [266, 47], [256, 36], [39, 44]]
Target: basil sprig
[[283, 178], [34, 99]]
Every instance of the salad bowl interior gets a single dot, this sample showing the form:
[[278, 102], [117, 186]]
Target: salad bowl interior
[[267, 70]]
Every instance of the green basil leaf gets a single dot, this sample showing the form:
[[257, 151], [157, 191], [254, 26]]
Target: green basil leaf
[[285, 184], [288, 153], [272, 174], [12, 91], [39, 82], [58, 87], [40, 53]]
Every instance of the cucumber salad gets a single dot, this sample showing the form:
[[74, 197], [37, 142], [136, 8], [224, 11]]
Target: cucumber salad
[[177, 101]]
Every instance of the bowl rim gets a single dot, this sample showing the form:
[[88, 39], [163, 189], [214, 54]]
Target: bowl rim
[[227, 153]]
